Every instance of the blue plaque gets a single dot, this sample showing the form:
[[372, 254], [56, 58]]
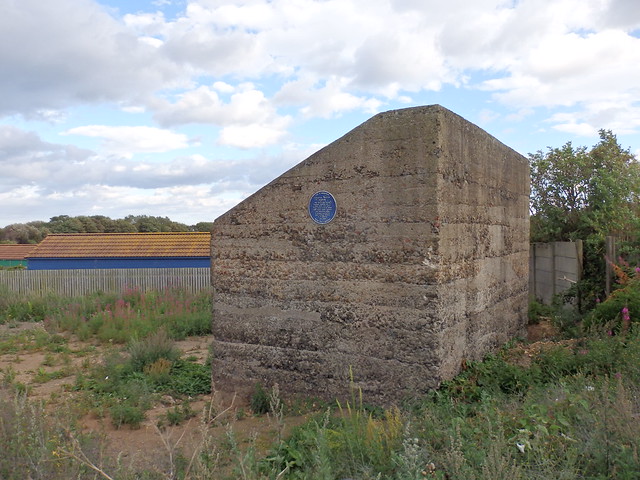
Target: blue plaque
[[322, 207]]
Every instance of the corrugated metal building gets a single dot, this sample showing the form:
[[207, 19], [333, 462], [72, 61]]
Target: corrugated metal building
[[12, 255], [121, 250]]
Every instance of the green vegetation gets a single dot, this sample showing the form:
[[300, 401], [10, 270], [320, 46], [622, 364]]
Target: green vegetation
[[568, 411], [35, 447], [114, 318], [587, 194], [259, 400], [127, 383], [34, 232], [131, 377], [565, 408], [571, 413]]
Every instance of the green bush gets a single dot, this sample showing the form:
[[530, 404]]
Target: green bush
[[188, 378], [149, 350], [539, 311], [494, 375], [608, 314], [259, 400], [19, 308], [114, 318], [194, 324], [179, 414], [126, 413]]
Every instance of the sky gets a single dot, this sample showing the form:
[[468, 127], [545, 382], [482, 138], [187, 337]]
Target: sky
[[183, 108]]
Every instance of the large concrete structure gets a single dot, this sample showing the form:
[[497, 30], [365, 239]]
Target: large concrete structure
[[422, 264]]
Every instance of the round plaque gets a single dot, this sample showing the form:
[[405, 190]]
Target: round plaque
[[322, 207]]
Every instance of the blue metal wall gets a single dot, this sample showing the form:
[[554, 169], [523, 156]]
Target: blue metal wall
[[89, 263]]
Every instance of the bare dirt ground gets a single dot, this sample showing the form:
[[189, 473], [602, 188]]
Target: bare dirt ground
[[147, 448]]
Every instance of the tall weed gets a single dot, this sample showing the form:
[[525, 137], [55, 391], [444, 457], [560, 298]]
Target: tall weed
[[38, 446], [149, 350], [134, 313]]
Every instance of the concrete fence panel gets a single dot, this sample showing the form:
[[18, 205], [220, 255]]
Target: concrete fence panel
[[554, 268]]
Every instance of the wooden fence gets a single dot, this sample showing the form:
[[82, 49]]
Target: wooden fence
[[80, 282]]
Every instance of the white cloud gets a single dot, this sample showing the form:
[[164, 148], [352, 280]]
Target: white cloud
[[191, 204], [252, 135], [69, 52], [54, 173], [324, 100], [223, 87], [204, 105], [126, 141], [27, 159], [621, 117], [623, 14], [248, 119], [571, 68], [243, 73]]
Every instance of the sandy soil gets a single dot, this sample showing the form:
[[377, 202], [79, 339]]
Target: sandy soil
[[147, 447]]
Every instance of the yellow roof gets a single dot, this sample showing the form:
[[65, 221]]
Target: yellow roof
[[15, 251], [165, 244]]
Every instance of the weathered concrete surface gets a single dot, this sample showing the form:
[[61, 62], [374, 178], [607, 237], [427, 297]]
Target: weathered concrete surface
[[425, 264]]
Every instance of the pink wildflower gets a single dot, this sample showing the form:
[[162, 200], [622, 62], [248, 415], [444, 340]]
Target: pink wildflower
[[626, 319]]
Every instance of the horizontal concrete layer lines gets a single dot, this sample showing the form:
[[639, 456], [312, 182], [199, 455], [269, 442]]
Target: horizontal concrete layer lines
[[415, 261]]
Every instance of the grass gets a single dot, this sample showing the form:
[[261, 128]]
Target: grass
[[139, 328], [37, 446], [568, 424], [114, 318], [573, 412], [127, 384]]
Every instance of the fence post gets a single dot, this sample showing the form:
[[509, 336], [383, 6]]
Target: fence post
[[580, 267], [553, 269], [533, 293]]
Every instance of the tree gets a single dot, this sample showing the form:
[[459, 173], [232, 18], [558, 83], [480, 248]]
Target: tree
[[584, 194], [576, 193], [66, 224], [20, 233], [202, 227], [34, 232]]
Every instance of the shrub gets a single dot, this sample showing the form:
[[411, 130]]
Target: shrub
[[494, 375], [188, 378], [179, 414], [19, 308], [126, 413], [539, 311], [159, 372], [149, 350], [609, 315], [259, 400]]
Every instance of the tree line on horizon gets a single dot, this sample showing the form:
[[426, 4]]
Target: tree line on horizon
[[35, 231]]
